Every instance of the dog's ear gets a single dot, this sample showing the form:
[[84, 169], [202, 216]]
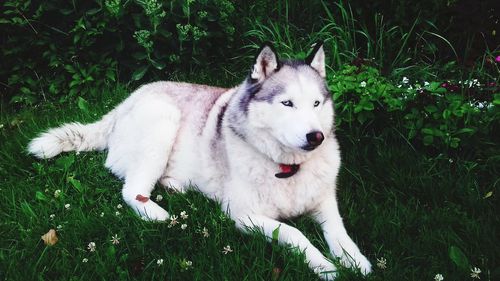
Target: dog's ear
[[266, 63], [317, 59]]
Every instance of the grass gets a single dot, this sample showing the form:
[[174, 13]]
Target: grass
[[397, 204]]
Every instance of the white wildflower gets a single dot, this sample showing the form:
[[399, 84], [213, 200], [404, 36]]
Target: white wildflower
[[85, 260], [475, 273], [57, 193], [438, 277], [405, 80], [91, 246], [102, 214], [205, 232], [119, 206], [426, 84], [382, 263], [159, 262], [173, 221], [59, 227], [226, 250], [362, 84], [52, 216], [117, 213], [67, 206], [184, 215], [184, 226], [159, 198], [115, 240]]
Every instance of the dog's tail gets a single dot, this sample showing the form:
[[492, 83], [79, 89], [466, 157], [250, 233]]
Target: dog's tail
[[73, 136]]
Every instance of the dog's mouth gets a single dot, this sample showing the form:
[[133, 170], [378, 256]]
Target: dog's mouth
[[309, 147]]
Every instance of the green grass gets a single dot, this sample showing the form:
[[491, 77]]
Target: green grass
[[396, 202]]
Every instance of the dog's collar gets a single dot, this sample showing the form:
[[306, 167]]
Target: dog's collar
[[287, 170]]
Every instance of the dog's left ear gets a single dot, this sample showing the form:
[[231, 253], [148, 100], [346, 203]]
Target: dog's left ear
[[266, 62], [317, 59]]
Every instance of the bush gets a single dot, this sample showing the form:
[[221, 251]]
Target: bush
[[59, 49], [440, 115]]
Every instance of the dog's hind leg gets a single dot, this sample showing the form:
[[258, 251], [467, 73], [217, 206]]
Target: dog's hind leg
[[139, 151]]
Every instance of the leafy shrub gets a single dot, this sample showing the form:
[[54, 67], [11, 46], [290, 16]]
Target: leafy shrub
[[54, 48], [436, 114]]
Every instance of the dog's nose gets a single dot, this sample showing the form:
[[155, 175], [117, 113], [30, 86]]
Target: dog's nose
[[315, 138]]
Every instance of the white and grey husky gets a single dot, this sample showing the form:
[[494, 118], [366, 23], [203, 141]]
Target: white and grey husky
[[265, 150]]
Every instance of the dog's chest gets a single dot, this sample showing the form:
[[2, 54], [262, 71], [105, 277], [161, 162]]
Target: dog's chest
[[264, 193]]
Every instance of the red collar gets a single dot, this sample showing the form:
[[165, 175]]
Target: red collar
[[287, 170]]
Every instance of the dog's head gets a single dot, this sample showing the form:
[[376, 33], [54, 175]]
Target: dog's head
[[286, 102]]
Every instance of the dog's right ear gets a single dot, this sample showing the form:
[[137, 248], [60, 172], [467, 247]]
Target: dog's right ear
[[266, 63]]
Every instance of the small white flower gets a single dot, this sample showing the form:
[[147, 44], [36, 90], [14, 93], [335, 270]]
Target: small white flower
[[173, 221], [91, 246], [115, 240], [475, 273], [405, 80], [382, 263], [117, 213], [119, 206], [189, 263], [59, 227], [426, 84], [57, 193], [184, 215], [438, 277], [102, 214], [85, 260], [184, 226], [227, 249], [67, 206], [205, 232], [159, 198], [362, 84], [159, 262], [52, 216]]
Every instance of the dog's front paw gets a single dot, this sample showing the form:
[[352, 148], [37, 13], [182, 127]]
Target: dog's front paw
[[357, 261], [150, 211], [326, 270]]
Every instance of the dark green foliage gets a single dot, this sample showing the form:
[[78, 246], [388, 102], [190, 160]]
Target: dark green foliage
[[441, 115], [57, 49]]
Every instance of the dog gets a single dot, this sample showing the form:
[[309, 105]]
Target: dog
[[265, 150]]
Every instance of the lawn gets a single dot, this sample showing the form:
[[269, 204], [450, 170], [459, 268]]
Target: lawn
[[416, 87], [413, 215]]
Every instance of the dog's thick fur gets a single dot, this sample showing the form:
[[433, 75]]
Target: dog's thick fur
[[265, 150]]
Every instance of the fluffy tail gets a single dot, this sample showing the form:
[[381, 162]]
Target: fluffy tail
[[73, 136]]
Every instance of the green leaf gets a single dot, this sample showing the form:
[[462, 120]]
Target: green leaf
[[65, 162], [75, 183], [139, 73], [428, 140], [446, 114], [458, 258], [431, 108], [276, 233], [111, 251], [158, 65], [428, 131], [83, 105], [41, 196], [496, 99], [466, 131]]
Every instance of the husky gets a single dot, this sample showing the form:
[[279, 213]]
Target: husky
[[265, 150]]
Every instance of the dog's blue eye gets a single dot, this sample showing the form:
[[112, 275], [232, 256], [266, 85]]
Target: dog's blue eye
[[287, 103], [316, 103]]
